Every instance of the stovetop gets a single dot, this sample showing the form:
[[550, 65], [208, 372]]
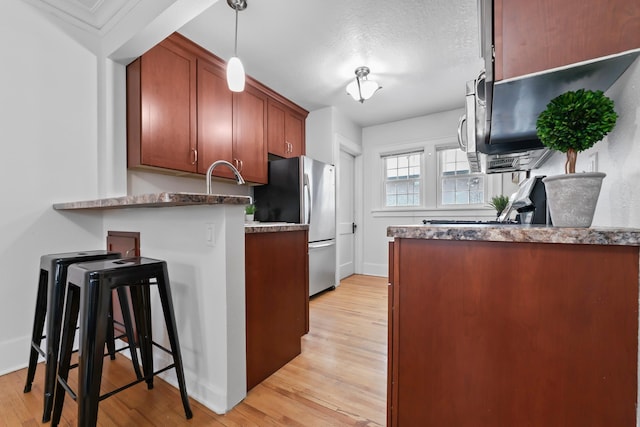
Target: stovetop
[[462, 222]]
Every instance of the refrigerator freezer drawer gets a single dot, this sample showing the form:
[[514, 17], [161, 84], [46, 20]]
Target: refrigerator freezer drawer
[[322, 266]]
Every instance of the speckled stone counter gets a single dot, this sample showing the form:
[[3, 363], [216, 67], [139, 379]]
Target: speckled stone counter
[[157, 200], [201, 237], [519, 233], [273, 227]]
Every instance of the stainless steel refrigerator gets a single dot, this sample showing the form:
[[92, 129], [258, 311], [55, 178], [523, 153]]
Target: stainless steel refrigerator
[[303, 191]]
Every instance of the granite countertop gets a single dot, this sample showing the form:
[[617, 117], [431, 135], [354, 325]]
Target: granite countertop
[[519, 233], [155, 200], [273, 227]]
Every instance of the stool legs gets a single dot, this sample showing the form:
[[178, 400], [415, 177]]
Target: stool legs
[[38, 328], [170, 320], [141, 301], [126, 317], [66, 349]]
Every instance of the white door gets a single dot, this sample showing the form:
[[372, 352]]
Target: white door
[[346, 221]]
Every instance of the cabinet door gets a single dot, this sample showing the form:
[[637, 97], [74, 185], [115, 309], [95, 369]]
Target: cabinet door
[[537, 35], [277, 300], [215, 118], [167, 121], [250, 135], [285, 131], [294, 134], [276, 138]]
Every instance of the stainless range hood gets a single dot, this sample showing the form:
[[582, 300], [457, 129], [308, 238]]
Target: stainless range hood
[[506, 138], [501, 116]]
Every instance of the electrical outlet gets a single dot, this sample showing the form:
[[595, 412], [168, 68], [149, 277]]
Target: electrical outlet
[[593, 162], [210, 234]]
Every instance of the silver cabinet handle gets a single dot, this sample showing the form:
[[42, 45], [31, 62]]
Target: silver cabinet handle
[[321, 245], [195, 156], [461, 122]]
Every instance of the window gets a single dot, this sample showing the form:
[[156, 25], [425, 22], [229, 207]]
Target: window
[[458, 185], [402, 179]]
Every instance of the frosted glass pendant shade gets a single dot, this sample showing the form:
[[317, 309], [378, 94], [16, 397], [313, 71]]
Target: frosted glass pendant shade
[[368, 88], [235, 75], [352, 89]]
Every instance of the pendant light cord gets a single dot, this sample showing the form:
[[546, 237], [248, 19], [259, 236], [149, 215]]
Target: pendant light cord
[[235, 46]]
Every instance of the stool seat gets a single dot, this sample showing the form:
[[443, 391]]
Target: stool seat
[[89, 287], [49, 306]]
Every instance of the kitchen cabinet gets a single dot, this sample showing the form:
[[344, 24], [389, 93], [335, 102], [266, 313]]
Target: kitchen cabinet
[[250, 134], [286, 126], [488, 333], [277, 300], [537, 35], [161, 109], [215, 118], [181, 115]]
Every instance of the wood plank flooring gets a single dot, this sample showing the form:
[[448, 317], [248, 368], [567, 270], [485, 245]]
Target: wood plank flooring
[[338, 380]]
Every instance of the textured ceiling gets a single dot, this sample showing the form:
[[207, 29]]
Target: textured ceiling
[[420, 51]]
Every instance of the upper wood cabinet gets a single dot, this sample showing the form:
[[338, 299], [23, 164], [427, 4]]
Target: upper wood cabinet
[[215, 118], [161, 108], [286, 130], [182, 116], [537, 35], [250, 134]]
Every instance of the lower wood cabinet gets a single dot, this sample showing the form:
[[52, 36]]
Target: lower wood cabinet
[[513, 334], [277, 300]]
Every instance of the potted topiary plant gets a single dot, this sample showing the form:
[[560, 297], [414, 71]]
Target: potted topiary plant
[[573, 122]]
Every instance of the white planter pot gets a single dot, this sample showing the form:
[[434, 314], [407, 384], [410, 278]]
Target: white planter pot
[[248, 217], [572, 198]]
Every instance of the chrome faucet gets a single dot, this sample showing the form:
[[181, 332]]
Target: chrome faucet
[[235, 171]]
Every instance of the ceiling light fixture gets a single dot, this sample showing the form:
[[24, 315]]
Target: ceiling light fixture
[[362, 88], [235, 69]]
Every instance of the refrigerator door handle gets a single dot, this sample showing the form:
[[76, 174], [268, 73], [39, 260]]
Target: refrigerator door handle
[[307, 199], [321, 244]]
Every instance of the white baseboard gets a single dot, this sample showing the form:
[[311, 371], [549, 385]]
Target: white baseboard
[[372, 269], [14, 354]]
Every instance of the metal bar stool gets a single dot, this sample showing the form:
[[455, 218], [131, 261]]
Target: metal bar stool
[[89, 287], [49, 305]]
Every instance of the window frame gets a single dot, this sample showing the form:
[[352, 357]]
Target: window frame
[[430, 197], [420, 179], [486, 184]]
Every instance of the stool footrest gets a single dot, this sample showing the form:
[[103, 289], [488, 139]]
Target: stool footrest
[[37, 348], [132, 383]]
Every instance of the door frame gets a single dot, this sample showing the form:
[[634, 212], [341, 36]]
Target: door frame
[[342, 143]]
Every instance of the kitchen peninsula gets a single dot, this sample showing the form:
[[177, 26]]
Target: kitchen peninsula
[[513, 325], [202, 238]]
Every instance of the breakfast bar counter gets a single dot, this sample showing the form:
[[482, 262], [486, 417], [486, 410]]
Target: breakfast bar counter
[[513, 325], [202, 239]]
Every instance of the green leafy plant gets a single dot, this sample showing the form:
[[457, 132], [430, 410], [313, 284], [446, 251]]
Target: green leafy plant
[[575, 121], [250, 209], [499, 203]]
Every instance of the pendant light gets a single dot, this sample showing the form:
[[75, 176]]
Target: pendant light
[[235, 69], [362, 88]]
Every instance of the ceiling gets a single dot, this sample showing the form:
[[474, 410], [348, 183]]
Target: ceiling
[[420, 51]]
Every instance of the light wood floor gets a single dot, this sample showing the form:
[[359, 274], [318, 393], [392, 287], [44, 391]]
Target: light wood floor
[[338, 380]]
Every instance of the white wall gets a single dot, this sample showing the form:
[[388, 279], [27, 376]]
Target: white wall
[[617, 156], [429, 132], [48, 126]]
